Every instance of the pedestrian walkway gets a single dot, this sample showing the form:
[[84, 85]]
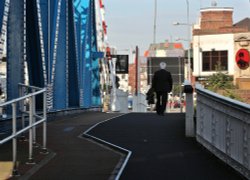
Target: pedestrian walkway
[[160, 151], [70, 156]]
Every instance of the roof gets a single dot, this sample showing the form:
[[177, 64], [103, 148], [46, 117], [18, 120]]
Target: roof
[[165, 46], [216, 9], [245, 23]]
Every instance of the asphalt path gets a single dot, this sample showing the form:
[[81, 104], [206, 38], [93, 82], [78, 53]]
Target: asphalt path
[[160, 150]]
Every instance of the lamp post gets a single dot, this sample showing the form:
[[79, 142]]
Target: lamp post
[[155, 15], [188, 31], [189, 40]]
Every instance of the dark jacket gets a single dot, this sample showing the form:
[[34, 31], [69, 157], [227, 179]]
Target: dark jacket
[[162, 81]]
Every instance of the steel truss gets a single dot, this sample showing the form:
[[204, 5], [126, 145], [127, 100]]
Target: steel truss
[[58, 41]]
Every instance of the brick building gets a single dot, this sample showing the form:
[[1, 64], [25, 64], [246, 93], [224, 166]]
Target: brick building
[[216, 40], [142, 78]]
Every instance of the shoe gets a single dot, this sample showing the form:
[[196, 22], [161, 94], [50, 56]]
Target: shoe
[[160, 114]]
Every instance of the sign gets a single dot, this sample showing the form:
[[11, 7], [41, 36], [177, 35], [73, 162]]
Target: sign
[[242, 59], [201, 78], [121, 64], [108, 53]]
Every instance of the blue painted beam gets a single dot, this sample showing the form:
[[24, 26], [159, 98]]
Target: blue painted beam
[[87, 64], [60, 48], [33, 48], [81, 9], [95, 76], [73, 82], [59, 78], [2, 8], [88, 56], [15, 48]]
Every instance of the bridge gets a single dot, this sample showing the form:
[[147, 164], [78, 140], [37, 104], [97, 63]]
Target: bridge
[[52, 126]]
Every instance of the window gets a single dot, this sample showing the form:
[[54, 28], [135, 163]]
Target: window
[[211, 59]]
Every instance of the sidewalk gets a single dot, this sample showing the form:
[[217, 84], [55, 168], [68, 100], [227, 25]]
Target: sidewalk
[[70, 156], [159, 148]]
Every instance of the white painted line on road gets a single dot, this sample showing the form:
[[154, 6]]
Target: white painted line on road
[[128, 152]]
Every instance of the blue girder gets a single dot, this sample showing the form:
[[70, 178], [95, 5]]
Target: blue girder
[[88, 57], [60, 47], [15, 48]]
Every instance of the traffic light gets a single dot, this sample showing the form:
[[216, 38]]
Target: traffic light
[[117, 82]]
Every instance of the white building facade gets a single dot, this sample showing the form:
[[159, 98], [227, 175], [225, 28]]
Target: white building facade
[[223, 43], [214, 43]]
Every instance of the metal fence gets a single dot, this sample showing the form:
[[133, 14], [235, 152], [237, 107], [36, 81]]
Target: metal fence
[[24, 108], [223, 127]]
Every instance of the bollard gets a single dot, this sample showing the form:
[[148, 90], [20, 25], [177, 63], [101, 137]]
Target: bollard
[[189, 119]]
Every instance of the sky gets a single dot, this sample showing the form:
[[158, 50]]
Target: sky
[[130, 22]]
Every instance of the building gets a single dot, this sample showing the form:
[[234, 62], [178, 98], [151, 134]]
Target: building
[[242, 41], [166, 49], [173, 54], [143, 85], [216, 41], [158, 50]]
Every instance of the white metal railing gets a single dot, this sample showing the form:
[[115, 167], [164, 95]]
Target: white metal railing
[[223, 127], [24, 106]]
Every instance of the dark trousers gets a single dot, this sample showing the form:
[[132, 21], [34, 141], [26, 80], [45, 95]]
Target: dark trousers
[[162, 98]]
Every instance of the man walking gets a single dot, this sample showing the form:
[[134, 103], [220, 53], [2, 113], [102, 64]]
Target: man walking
[[162, 84]]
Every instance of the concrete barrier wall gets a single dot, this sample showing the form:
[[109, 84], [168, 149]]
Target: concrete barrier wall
[[223, 127]]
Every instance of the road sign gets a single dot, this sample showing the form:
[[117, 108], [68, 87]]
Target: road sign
[[242, 59]]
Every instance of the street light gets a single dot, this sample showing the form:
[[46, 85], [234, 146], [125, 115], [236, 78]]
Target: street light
[[178, 23], [181, 39], [155, 15], [189, 39], [189, 42], [188, 30]]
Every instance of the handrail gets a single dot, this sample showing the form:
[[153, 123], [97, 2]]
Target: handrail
[[222, 126], [32, 87], [22, 98], [19, 106], [222, 99], [21, 132]]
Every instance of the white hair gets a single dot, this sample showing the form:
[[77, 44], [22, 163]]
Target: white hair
[[163, 65]]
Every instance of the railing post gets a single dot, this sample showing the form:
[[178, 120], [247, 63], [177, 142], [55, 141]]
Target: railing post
[[189, 120], [31, 160], [14, 142], [33, 108], [21, 106], [44, 149]]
